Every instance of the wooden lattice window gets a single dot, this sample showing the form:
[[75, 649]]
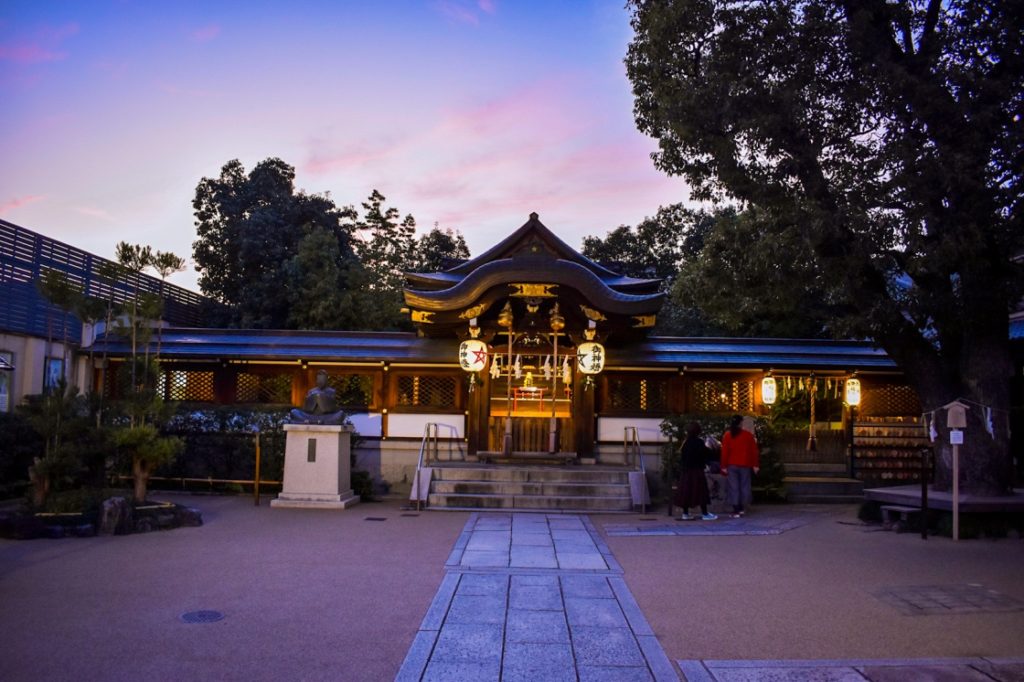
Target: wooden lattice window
[[889, 400], [426, 390], [722, 396], [187, 385], [353, 390], [263, 388], [636, 394]]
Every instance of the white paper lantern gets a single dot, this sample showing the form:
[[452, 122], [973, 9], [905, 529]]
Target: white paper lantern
[[768, 392], [473, 355], [590, 356], [853, 392]]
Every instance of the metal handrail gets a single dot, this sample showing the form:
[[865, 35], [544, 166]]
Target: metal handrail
[[430, 432], [632, 445]]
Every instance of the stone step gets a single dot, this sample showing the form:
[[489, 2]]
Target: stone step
[[824, 499], [817, 469], [490, 501], [537, 474], [524, 488], [797, 486]]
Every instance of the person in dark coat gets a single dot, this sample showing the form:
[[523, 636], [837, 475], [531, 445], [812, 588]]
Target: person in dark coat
[[692, 488]]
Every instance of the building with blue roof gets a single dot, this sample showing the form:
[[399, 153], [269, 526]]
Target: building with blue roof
[[535, 312]]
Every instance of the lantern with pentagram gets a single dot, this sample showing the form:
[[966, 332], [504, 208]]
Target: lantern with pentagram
[[473, 358]]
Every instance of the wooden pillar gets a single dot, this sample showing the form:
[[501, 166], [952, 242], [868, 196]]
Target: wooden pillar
[[583, 402], [478, 413], [225, 384]]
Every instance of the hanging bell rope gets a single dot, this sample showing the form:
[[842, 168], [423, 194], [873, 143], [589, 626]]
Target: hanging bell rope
[[812, 441]]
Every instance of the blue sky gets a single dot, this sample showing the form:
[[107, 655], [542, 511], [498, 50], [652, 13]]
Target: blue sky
[[467, 113]]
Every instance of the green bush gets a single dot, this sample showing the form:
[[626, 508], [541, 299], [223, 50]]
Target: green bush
[[83, 501], [362, 485], [19, 443]]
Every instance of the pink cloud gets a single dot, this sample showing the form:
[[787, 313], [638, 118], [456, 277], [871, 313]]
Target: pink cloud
[[459, 11], [41, 47], [488, 6], [94, 212], [205, 34], [18, 202]]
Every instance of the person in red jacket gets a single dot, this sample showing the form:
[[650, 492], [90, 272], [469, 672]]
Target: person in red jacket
[[740, 460]]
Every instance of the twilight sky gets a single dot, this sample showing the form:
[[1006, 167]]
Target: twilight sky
[[468, 113]]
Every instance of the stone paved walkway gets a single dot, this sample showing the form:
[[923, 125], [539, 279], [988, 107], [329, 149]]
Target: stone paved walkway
[[868, 670], [534, 597]]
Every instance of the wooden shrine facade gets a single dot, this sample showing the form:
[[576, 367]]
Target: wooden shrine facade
[[533, 300]]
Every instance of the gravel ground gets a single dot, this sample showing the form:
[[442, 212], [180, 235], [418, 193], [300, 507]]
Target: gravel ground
[[315, 595]]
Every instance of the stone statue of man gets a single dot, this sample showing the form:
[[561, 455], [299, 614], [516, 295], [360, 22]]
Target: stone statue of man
[[321, 405]]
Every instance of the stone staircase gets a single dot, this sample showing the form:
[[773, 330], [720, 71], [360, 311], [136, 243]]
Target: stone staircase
[[530, 487], [822, 483]]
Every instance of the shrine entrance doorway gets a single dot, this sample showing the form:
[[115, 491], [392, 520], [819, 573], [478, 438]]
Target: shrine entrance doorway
[[537, 404]]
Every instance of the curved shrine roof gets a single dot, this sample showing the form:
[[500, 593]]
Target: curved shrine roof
[[532, 254]]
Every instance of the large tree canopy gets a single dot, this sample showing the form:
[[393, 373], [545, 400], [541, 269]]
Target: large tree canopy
[[707, 266], [660, 247], [283, 259], [884, 136], [743, 252], [250, 229]]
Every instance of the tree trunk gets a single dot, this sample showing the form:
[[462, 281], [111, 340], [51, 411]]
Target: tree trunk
[[40, 487], [981, 381], [140, 478]]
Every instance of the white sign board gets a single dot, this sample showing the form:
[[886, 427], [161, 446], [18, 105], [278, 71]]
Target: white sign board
[[956, 437]]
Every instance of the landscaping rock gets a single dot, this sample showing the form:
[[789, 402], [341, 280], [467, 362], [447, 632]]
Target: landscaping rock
[[85, 530], [55, 532], [116, 517], [144, 525], [165, 521], [188, 516], [24, 527]]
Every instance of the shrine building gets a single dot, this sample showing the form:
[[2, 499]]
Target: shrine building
[[532, 355]]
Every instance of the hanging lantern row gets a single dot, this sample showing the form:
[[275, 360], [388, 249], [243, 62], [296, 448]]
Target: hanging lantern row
[[473, 354], [851, 393]]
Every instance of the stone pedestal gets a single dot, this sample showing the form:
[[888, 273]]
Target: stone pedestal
[[317, 467]]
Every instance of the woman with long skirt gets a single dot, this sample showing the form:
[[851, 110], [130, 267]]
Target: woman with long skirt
[[692, 488]]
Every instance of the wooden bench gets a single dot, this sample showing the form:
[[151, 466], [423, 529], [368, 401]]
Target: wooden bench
[[897, 517]]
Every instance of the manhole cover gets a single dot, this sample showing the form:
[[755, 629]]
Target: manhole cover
[[201, 616], [410, 514], [375, 518]]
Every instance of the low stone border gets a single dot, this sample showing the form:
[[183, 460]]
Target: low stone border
[[116, 517], [982, 669], [747, 525]]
